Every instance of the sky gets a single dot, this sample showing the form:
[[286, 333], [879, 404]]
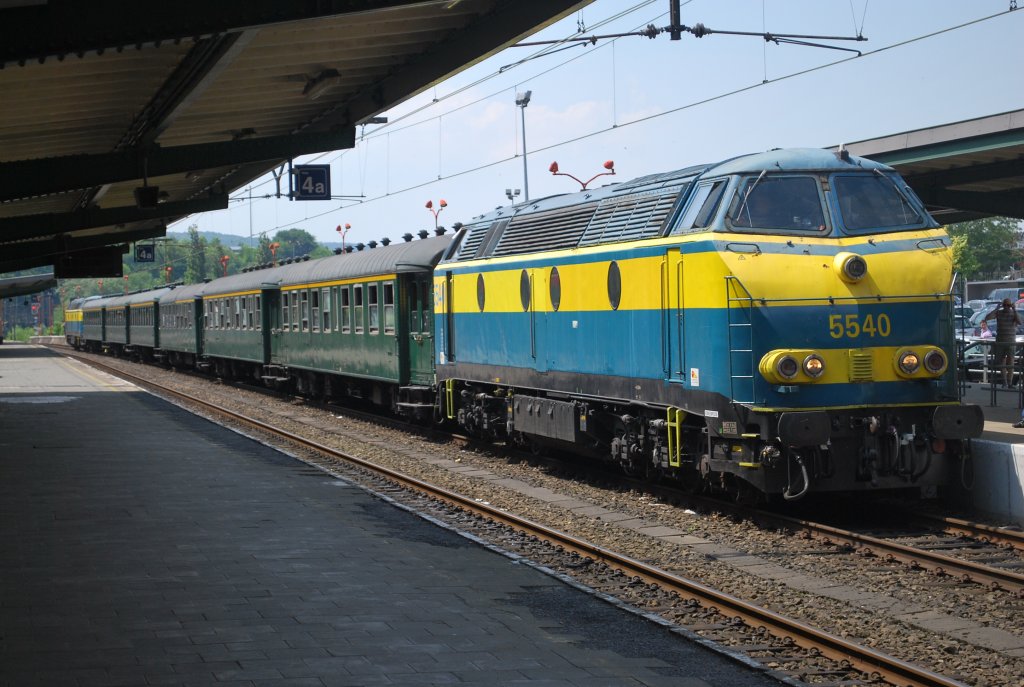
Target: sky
[[652, 105]]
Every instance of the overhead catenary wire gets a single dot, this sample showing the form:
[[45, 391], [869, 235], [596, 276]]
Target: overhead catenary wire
[[698, 103]]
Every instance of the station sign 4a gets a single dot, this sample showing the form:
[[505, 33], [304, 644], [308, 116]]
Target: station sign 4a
[[145, 253], [311, 182]]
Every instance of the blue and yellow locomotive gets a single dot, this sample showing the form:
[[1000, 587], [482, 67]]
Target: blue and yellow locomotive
[[778, 323]]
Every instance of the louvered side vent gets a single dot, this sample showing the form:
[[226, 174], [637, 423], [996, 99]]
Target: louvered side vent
[[631, 217], [862, 367], [542, 231], [474, 236]]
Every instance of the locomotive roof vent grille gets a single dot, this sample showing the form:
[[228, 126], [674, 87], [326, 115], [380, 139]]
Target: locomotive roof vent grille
[[632, 217], [474, 237], [541, 231]]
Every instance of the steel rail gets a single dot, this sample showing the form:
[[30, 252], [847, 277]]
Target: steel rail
[[864, 659], [995, 535], [967, 570]]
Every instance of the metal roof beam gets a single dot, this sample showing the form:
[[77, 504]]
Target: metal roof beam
[[60, 28], [28, 178], [1006, 203], [31, 226], [36, 253], [959, 176], [489, 32]]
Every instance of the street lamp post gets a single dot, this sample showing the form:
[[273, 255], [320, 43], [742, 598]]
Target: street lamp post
[[522, 100]]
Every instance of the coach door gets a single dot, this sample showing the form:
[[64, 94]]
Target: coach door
[[421, 338], [270, 320], [673, 317]]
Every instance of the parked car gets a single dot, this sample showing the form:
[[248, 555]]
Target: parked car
[[976, 304], [997, 295]]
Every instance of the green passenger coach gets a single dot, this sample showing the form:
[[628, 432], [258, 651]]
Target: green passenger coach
[[355, 324]]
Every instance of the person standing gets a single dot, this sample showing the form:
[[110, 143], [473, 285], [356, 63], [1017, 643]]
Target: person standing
[[1007, 319]]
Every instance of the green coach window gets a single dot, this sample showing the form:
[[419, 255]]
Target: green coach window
[[389, 307], [373, 305], [357, 307], [325, 305], [346, 310]]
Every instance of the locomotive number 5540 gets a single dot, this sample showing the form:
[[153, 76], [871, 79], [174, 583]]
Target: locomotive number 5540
[[853, 325]]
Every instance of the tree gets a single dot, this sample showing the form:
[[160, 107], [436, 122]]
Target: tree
[[986, 247], [294, 243], [196, 270], [265, 255]]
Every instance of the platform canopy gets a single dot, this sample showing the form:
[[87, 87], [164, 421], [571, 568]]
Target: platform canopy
[[962, 171], [20, 286], [119, 117]]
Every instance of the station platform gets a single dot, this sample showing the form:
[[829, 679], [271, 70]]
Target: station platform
[[142, 545]]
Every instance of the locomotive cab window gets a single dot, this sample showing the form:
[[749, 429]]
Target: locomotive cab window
[[873, 201], [787, 204]]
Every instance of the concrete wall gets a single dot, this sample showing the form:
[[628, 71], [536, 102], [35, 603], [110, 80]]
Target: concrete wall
[[998, 486]]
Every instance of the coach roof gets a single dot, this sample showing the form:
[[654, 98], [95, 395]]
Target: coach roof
[[413, 256]]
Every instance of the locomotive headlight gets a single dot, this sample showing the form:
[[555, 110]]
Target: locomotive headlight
[[814, 366], [908, 361], [787, 367], [792, 366], [850, 267], [935, 361]]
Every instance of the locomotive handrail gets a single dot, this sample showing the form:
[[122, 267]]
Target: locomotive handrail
[[735, 245], [833, 299], [940, 241]]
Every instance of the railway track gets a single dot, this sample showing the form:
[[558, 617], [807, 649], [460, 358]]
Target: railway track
[[792, 648]]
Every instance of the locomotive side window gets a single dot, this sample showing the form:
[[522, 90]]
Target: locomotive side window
[[555, 286], [285, 299], [524, 290], [703, 206], [614, 285], [789, 203], [295, 311], [481, 291], [259, 309], [873, 202]]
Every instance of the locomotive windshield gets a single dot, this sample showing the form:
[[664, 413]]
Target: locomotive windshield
[[869, 202], [778, 203]]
